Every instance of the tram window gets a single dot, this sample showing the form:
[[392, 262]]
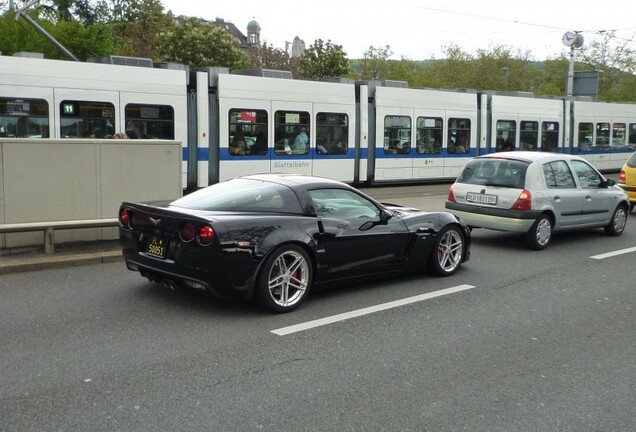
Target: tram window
[[150, 121], [458, 135], [585, 136], [248, 132], [631, 141], [506, 135], [24, 118], [549, 136], [291, 132], [618, 136], [85, 119], [429, 133], [529, 135], [397, 135], [602, 135], [332, 130]]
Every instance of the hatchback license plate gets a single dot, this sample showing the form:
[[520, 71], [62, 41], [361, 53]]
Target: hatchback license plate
[[157, 247], [481, 198]]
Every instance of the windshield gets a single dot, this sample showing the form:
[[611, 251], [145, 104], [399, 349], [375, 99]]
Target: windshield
[[494, 172], [242, 195]]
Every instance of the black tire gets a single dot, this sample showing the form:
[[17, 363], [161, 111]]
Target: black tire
[[448, 252], [285, 279], [540, 235], [616, 225]]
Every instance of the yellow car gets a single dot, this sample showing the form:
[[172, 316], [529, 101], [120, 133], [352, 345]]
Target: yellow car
[[627, 180]]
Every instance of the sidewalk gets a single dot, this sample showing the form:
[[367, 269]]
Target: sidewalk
[[64, 256]]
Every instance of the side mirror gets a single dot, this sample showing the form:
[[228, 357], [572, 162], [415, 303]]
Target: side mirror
[[385, 216], [610, 182]]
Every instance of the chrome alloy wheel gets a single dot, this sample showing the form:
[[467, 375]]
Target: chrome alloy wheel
[[450, 250], [288, 279]]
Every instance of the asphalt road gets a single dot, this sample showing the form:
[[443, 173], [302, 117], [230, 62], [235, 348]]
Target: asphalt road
[[530, 341]]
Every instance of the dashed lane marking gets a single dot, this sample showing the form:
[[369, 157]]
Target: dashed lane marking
[[368, 310], [613, 254]]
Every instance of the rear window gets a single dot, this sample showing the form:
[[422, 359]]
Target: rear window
[[242, 195], [494, 172], [632, 161]]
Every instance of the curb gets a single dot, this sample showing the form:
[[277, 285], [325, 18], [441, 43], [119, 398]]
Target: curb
[[19, 264]]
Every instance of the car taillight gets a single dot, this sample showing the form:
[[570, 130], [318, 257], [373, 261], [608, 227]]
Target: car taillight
[[622, 177], [125, 217], [188, 232], [451, 194], [206, 235], [524, 202]]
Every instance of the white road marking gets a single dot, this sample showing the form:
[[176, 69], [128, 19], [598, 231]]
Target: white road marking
[[368, 310], [615, 253]]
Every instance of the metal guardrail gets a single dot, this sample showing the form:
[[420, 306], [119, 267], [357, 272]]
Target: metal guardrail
[[49, 228]]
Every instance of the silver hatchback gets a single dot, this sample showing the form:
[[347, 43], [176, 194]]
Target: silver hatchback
[[537, 194]]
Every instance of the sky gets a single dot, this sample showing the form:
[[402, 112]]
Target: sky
[[422, 29]]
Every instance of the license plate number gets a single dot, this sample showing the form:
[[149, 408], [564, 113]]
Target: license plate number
[[157, 247], [481, 198]]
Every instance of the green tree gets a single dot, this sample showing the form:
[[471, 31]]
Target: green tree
[[137, 25], [323, 60], [266, 56], [197, 43], [375, 64]]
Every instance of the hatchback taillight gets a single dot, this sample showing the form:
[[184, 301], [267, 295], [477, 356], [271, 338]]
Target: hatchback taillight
[[524, 202], [451, 194], [622, 177]]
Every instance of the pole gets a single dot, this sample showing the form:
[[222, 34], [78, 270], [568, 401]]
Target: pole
[[571, 73]]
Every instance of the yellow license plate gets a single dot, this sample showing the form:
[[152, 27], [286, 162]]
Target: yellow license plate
[[157, 247]]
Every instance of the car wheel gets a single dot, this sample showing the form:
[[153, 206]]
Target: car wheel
[[540, 234], [448, 251], [285, 279], [616, 226]]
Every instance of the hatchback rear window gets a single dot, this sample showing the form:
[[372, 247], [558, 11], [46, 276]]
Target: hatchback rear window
[[632, 161], [494, 172]]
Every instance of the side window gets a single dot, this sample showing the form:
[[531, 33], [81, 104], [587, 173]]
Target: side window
[[247, 132], [529, 135], [291, 132], [340, 203], [150, 121], [397, 134], [588, 176], [586, 136], [618, 136], [24, 118], [429, 135], [332, 132], [558, 175], [603, 135], [458, 135], [506, 135], [549, 136], [631, 140], [86, 119]]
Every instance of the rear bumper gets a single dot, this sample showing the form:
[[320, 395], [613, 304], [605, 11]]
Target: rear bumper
[[630, 191], [493, 218]]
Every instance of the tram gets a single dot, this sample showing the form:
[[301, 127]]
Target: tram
[[244, 122]]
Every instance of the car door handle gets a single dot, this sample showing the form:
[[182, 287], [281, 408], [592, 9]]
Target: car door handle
[[557, 198], [588, 197]]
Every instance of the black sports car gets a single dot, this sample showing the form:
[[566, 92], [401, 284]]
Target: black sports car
[[275, 236]]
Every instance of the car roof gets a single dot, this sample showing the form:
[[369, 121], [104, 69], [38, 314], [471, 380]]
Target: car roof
[[530, 156]]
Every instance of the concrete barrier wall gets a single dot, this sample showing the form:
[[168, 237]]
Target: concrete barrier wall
[[59, 180]]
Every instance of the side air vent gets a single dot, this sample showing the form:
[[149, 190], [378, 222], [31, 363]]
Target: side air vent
[[122, 61], [268, 73]]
